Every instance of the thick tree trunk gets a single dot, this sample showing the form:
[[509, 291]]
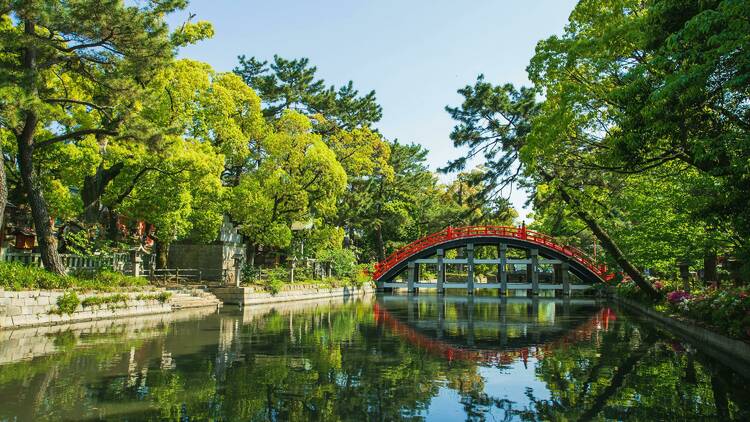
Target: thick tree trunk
[[40, 214], [93, 189], [162, 254], [608, 244]]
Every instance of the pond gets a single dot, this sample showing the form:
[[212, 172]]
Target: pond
[[381, 358]]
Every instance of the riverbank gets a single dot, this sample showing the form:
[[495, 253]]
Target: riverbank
[[712, 343], [257, 295], [33, 308]]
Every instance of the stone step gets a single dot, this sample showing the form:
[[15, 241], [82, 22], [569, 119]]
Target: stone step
[[187, 297]]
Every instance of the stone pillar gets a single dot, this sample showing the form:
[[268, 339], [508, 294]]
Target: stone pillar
[[238, 258], [470, 267], [137, 259], [412, 277], [564, 267], [502, 272], [534, 269], [441, 271]]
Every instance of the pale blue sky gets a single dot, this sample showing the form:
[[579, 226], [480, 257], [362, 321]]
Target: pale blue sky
[[414, 54]]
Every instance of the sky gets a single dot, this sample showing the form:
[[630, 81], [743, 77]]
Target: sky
[[415, 54]]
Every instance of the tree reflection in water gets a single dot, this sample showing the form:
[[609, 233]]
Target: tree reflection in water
[[390, 358]]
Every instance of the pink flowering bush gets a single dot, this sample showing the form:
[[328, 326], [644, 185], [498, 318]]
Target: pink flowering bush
[[678, 296], [726, 309]]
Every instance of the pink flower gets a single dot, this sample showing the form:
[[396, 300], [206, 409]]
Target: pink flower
[[678, 296], [658, 285]]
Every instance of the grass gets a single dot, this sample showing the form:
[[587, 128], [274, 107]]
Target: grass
[[17, 276]]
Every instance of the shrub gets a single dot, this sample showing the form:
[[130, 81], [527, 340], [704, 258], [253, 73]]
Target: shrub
[[17, 276], [274, 286], [250, 273], [107, 279], [161, 297], [111, 301], [67, 303], [343, 261]]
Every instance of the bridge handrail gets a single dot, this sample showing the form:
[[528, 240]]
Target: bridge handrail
[[452, 233]]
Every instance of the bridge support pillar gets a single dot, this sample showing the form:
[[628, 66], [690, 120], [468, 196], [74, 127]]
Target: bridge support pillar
[[440, 271], [502, 273], [413, 274], [470, 267], [532, 271], [564, 267]]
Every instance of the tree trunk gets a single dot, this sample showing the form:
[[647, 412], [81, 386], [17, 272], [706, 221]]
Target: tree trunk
[[379, 242], [40, 214], [162, 254], [608, 244], [93, 189]]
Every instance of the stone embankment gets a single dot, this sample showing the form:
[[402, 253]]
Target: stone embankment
[[258, 295], [734, 353], [40, 307]]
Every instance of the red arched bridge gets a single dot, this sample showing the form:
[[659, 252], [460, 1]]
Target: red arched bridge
[[541, 251]]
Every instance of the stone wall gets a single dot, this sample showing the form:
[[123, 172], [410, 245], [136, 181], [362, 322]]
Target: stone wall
[[210, 259], [33, 308], [254, 296]]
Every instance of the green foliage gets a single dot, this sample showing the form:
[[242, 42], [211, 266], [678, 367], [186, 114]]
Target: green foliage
[[727, 309], [298, 176], [250, 273], [291, 84], [79, 243], [112, 301], [343, 261], [16, 276], [67, 303]]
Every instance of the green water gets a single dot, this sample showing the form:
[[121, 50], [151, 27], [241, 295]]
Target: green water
[[382, 358]]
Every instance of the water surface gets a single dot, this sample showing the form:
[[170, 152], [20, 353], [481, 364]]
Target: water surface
[[379, 358]]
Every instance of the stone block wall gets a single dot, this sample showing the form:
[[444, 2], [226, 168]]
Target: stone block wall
[[37, 307]]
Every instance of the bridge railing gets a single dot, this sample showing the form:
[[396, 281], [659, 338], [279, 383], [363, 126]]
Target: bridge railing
[[522, 233]]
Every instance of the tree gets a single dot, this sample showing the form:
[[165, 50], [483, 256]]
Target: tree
[[292, 85], [633, 87], [502, 124], [106, 50], [297, 178]]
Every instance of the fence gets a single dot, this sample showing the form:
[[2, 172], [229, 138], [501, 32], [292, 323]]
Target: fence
[[117, 262], [121, 262]]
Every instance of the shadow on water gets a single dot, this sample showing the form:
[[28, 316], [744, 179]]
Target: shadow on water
[[376, 358]]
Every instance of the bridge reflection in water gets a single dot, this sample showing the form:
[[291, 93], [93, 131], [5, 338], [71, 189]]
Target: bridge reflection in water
[[492, 330]]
